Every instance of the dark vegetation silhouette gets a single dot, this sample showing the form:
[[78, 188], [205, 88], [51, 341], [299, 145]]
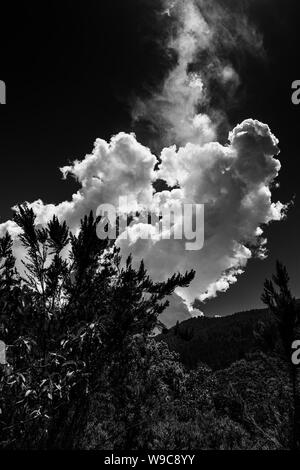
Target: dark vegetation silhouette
[[84, 370], [278, 297], [218, 342]]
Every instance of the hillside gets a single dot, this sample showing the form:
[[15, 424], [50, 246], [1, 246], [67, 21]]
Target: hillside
[[219, 342]]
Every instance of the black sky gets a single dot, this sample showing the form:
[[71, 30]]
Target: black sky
[[71, 71]]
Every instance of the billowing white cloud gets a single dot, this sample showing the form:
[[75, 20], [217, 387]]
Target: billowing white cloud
[[116, 168], [233, 181]]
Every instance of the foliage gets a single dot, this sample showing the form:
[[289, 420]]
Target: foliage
[[247, 406], [281, 303], [74, 308], [218, 342], [277, 295], [85, 370]]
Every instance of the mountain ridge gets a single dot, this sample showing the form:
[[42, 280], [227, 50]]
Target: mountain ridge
[[220, 341]]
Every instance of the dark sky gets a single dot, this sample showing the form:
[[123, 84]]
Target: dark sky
[[71, 70]]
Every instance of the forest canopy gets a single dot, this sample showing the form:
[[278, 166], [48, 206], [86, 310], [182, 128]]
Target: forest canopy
[[84, 369]]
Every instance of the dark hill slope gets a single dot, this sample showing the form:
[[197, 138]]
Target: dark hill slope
[[219, 342]]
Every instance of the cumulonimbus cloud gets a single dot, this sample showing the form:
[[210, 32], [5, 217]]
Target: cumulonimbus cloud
[[233, 180]]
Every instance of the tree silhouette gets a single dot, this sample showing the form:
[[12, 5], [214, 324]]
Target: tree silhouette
[[84, 370], [278, 297], [69, 320]]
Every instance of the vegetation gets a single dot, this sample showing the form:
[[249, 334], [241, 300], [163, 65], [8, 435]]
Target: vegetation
[[284, 308], [85, 371], [218, 342]]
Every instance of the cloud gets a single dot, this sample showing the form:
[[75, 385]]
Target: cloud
[[173, 107], [177, 311], [190, 105], [233, 180]]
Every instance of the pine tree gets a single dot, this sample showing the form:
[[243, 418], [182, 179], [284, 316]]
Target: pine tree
[[70, 318], [283, 306]]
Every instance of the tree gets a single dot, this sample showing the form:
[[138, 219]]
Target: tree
[[278, 297], [69, 320], [281, 304]]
